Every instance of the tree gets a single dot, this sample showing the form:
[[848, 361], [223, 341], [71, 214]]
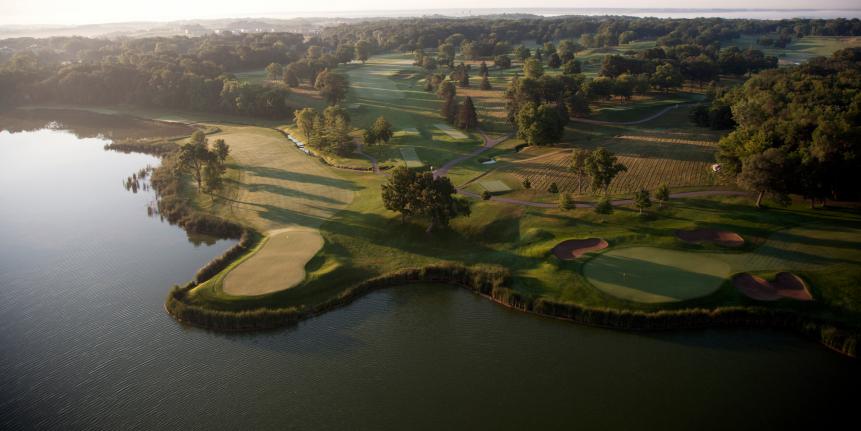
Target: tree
[[382, 130], [603, 206], [368, 137], [485, 83], [532, 68], [305, 120], [554, 61], [526, 183], [194, 157], [467, 118], [662, 194], [437, 200], [290, 78], [502, 61], [642, 199], [447, 91], [602, 166], [221, 150], [486, 195], [446, 53], [578, 166], [623, 86], [764, 173], [666, 76], [571, 67], [565, 202], [399, 192], [213, 170], [274, 71], [333, 86], [553, 188], [539, 124], [363, 50], [483, 69], [522, 52]]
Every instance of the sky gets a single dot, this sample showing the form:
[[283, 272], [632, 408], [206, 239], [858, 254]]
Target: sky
[[101, 11]]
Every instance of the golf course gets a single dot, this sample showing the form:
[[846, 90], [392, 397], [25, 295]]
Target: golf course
[[317, 232]]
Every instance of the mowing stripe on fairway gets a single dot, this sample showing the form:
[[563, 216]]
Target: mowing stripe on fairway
[[411, 158], [450, 131]]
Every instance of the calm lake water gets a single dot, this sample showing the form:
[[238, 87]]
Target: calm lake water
[[85, 343]]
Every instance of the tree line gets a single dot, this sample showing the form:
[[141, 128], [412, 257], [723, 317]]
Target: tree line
[[797, 130]]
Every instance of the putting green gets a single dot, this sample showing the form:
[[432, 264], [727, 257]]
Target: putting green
[[653, 275], [278, 265]]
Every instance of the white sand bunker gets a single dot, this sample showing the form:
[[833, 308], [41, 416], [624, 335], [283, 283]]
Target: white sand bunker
[[450, 131], [279, 264]]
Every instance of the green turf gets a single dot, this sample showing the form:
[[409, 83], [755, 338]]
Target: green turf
[[494, 186], [652, 275], [648, 274], [411, 158]]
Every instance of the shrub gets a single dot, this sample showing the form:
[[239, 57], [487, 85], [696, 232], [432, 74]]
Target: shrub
[[527, 184], [603, 206], [553, 188], [486, 195]]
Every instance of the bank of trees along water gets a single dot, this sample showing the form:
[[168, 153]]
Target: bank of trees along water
[[798, 129]]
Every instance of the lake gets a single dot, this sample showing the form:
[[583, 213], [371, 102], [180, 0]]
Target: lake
[[86, 343]]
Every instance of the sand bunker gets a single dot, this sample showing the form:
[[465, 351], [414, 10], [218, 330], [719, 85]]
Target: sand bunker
[[278, 265], [574, 248], [785, 285], [719, 237]]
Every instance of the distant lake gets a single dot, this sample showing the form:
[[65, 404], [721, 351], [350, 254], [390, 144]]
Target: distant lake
[[86, 344]]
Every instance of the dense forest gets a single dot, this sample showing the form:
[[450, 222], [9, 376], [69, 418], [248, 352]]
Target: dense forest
[[798, 129], [196, 73]]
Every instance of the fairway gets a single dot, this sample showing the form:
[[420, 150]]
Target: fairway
[[411, 158], [278, 191], [278, 265], [654, 275], [495, 186], [450, 131]]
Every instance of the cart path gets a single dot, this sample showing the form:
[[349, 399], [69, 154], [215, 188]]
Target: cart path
[[628, 123], [488, 144]]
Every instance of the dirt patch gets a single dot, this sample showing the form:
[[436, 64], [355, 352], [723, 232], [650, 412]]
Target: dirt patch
[[719, 237], [574, 248], [785, 285]]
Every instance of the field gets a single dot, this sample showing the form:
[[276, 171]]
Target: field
[[799, 50]]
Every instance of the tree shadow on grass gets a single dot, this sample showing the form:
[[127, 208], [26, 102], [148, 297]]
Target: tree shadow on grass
[[286, 175]]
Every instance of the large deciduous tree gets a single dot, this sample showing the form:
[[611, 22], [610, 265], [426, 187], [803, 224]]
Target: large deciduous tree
[[602, 167]]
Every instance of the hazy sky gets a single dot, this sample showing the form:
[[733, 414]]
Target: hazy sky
[[100, 11]]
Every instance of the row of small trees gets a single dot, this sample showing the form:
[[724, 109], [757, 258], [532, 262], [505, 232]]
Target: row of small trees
[[328, 132]]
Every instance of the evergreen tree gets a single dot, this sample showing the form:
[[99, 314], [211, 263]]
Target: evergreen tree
[[485, 83], [467, 119]]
